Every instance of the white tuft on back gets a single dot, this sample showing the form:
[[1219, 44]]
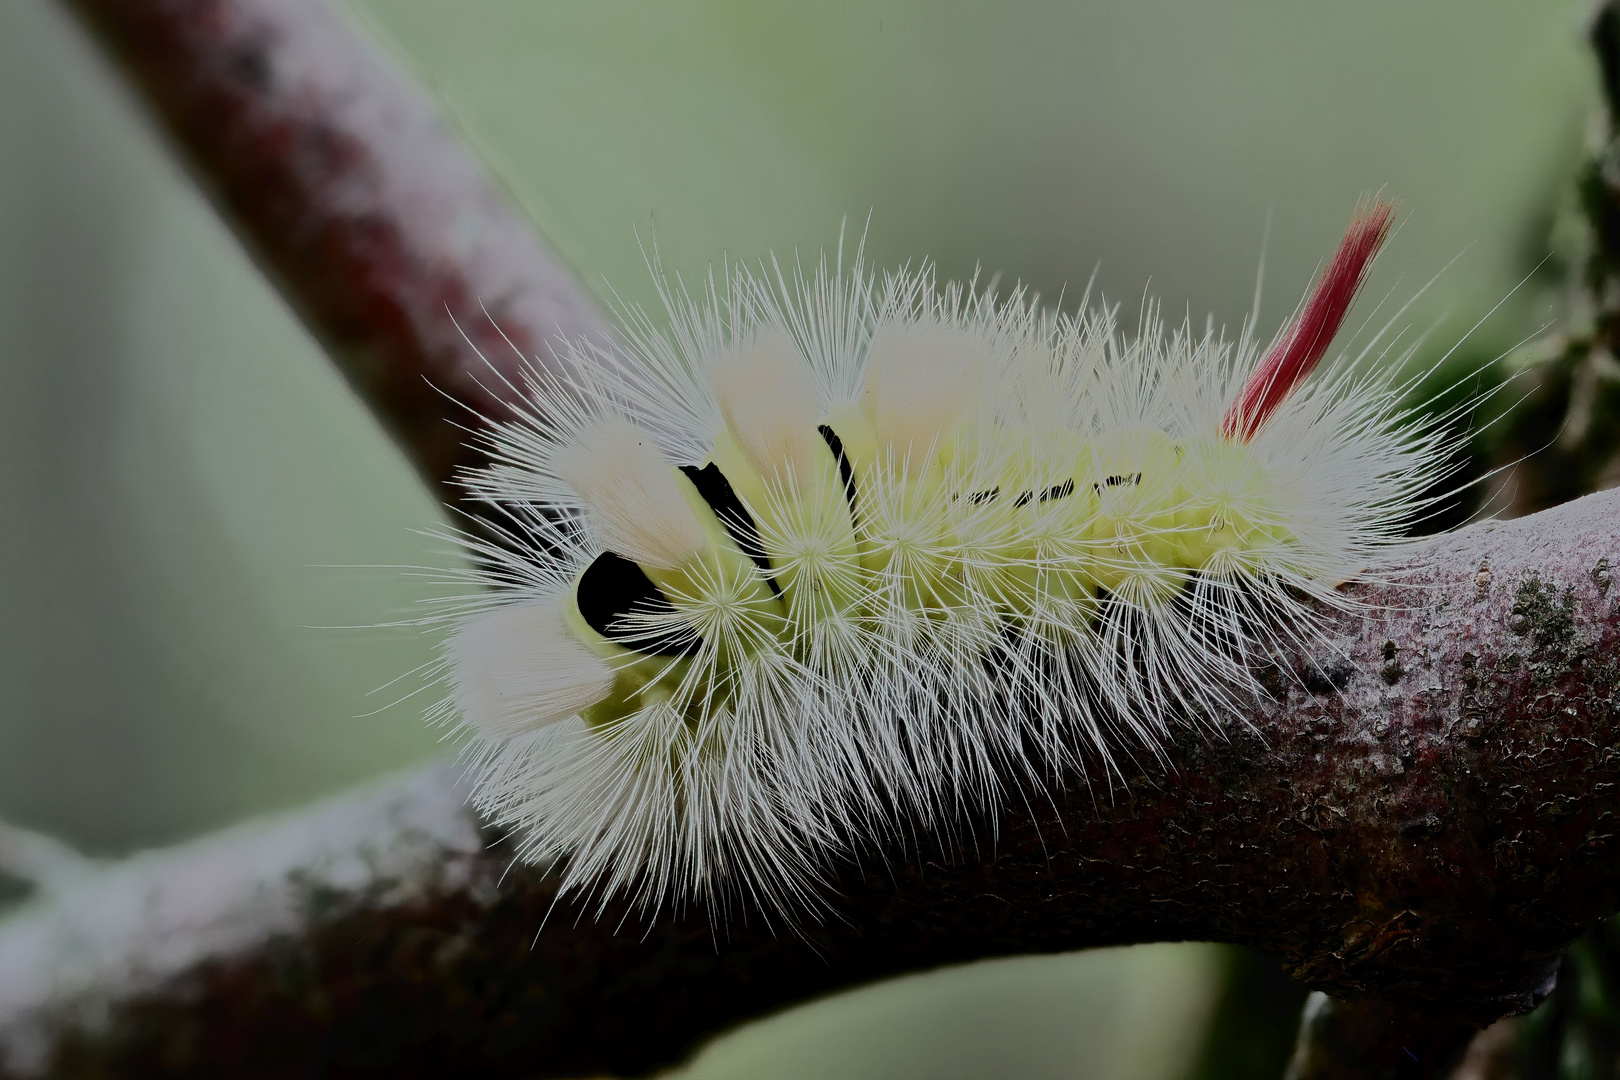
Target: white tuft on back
[[632, 492], [517, 668], [768, 398], [921, 379]]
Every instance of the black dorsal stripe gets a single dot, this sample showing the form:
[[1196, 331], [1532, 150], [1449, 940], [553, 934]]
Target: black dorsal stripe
[[846, 471], [1059, 491], [1117, 481], [722, 498], [612, 589]]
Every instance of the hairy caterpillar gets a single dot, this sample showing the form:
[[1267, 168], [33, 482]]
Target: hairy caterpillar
[[829, 555]]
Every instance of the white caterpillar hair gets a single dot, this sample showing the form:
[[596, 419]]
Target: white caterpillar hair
[[827, 557]]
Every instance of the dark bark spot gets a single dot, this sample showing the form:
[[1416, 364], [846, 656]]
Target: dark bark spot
[[1427, 825], [1270, 678], [1330, 678]]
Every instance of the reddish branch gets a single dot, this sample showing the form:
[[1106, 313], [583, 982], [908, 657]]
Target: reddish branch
[[368, 213], [1422, 811]]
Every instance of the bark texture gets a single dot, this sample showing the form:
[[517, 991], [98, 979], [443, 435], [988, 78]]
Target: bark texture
[[372, 218], [1422, 811]]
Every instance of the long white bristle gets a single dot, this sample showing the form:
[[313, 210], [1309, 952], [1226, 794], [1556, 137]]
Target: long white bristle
[[632, 493], [517, 669]]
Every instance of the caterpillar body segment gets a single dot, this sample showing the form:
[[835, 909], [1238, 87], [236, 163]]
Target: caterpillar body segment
[[827, 559], [1134, 514]]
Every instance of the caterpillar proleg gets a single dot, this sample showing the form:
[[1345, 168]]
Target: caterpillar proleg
[[829, 556]]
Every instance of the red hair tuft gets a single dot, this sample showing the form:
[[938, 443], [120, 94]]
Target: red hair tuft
[[1302, 346]]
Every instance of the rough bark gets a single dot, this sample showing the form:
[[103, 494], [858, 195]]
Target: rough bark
[[370, 216], [1422, 811]]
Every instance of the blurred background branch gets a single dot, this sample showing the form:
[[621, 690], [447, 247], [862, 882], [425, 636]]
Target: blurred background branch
[[378, 226], [1561, 438]]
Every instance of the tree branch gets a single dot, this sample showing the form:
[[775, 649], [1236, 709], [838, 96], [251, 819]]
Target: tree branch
[[1423, 811], [374, 221]]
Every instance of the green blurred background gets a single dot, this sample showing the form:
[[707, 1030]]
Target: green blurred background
[[187, 488]]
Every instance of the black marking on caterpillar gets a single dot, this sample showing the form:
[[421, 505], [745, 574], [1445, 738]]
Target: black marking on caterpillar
[[613, 587], [846, 472], [978, 497], [1116, 481], [1060, 491], [722, 498]]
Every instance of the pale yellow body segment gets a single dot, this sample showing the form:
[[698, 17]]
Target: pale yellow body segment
[[1030, 528]]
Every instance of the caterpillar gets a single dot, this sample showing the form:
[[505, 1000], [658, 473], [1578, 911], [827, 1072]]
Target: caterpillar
[[827, 556]]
